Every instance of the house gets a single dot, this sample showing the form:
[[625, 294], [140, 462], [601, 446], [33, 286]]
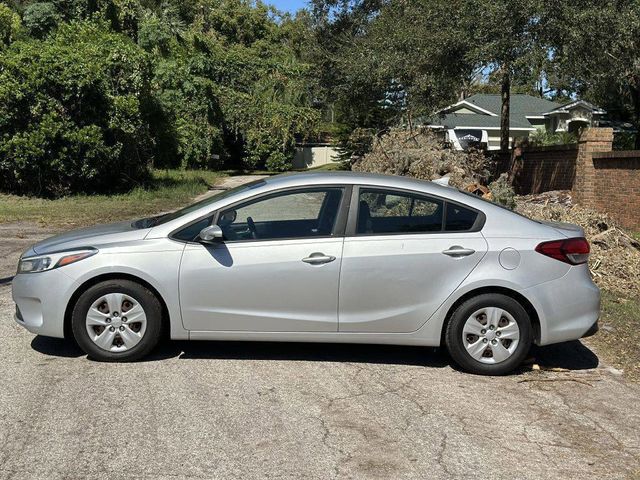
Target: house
[[476, 119]]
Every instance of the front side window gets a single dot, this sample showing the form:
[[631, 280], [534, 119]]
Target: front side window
[[385, 211], [292, 214]]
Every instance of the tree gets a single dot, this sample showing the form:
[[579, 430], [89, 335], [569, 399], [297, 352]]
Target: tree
[[505, 41], [40, 18], [71, 118], [595, 52], [375, 74]]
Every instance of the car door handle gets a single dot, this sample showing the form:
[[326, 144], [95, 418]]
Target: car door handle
[[318, 258], [458, 251]]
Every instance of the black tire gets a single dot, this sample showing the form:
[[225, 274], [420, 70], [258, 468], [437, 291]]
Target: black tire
[[148, 301], [454, 331]]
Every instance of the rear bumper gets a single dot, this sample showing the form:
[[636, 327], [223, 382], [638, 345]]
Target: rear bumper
[[568, 307], [41, 300], [592, 331]]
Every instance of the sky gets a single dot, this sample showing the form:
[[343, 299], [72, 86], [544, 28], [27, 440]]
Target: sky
[[287, 5]]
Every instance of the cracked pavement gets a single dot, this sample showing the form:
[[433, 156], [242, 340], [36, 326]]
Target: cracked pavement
[[268, 410], [246, 410]]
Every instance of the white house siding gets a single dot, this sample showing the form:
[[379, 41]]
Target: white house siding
[[309, 156]]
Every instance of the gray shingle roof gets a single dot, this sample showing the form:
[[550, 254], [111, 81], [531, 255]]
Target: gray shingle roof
[[451, 120], [521, 107], [520, 103]]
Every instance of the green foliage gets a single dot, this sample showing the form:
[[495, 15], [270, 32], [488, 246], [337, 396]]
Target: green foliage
[[595, 50], [278, 162], [40, 18], [71, 119], [10, 26], [544, 138]]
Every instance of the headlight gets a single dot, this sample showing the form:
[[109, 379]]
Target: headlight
[[49, 262]]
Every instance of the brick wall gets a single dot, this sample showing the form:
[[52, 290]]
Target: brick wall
[[599, 178], [592, 140], [540, 169], [617, 186]]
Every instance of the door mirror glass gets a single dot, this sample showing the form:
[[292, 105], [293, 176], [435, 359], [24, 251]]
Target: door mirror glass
[[210, 234]]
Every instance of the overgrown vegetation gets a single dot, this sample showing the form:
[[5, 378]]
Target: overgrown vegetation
[[166, 190], [93, 94]]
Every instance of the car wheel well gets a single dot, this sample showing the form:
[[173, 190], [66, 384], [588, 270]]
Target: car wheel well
[[521, 299], [68, 334]]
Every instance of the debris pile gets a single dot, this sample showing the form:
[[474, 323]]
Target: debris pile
[[421, 154], [615, 255]]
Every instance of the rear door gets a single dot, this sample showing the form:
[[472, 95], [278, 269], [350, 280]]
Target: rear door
[[404, 254]]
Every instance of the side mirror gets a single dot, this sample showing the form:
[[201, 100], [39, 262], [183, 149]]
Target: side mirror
[[210, 234]]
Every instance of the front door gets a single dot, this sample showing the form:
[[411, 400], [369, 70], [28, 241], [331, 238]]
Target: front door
[[277, 269], [409, 252]]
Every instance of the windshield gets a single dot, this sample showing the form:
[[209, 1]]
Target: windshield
[[167, 217]]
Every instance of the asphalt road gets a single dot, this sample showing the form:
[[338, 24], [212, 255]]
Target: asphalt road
[[250, 410], [293, 411]]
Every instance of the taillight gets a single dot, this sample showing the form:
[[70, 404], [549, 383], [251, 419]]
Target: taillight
[[573, 251]]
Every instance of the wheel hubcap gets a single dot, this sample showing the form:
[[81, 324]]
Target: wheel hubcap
[[116, 322], [491, 335]]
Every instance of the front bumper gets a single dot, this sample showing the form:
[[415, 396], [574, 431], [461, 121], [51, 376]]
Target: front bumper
[[41, 300]]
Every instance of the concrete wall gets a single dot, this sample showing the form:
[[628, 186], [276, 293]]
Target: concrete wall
[[314, 155]]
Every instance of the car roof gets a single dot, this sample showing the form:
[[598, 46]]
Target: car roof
[[347, 177]]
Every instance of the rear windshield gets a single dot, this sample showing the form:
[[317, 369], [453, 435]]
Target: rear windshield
[[167, 217]]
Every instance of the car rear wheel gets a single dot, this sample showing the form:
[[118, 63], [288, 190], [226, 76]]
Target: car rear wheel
[[489, 334], [117, 320]]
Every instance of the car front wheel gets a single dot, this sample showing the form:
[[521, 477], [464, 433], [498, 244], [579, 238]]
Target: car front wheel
[[489, 334], [117, 320]]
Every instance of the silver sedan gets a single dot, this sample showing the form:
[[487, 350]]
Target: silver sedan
[[317, 257]]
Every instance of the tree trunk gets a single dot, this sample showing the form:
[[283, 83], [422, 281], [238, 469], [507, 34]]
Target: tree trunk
[[504, 113], [635, 98]]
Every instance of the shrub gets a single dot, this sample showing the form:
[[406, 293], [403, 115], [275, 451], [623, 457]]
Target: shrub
[[71, 117], [278, 162]]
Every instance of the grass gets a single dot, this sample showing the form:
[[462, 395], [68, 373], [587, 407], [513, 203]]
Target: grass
[[617, 341], [168, 190]]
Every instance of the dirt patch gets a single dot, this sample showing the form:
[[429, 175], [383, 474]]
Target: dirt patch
[[16, 238]]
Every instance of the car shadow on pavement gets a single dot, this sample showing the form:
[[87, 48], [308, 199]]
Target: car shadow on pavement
[[57, 347], [570, 355], [311, 352]]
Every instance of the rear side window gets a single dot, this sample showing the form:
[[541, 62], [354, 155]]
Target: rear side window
[[459, 219], [383, 211]]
